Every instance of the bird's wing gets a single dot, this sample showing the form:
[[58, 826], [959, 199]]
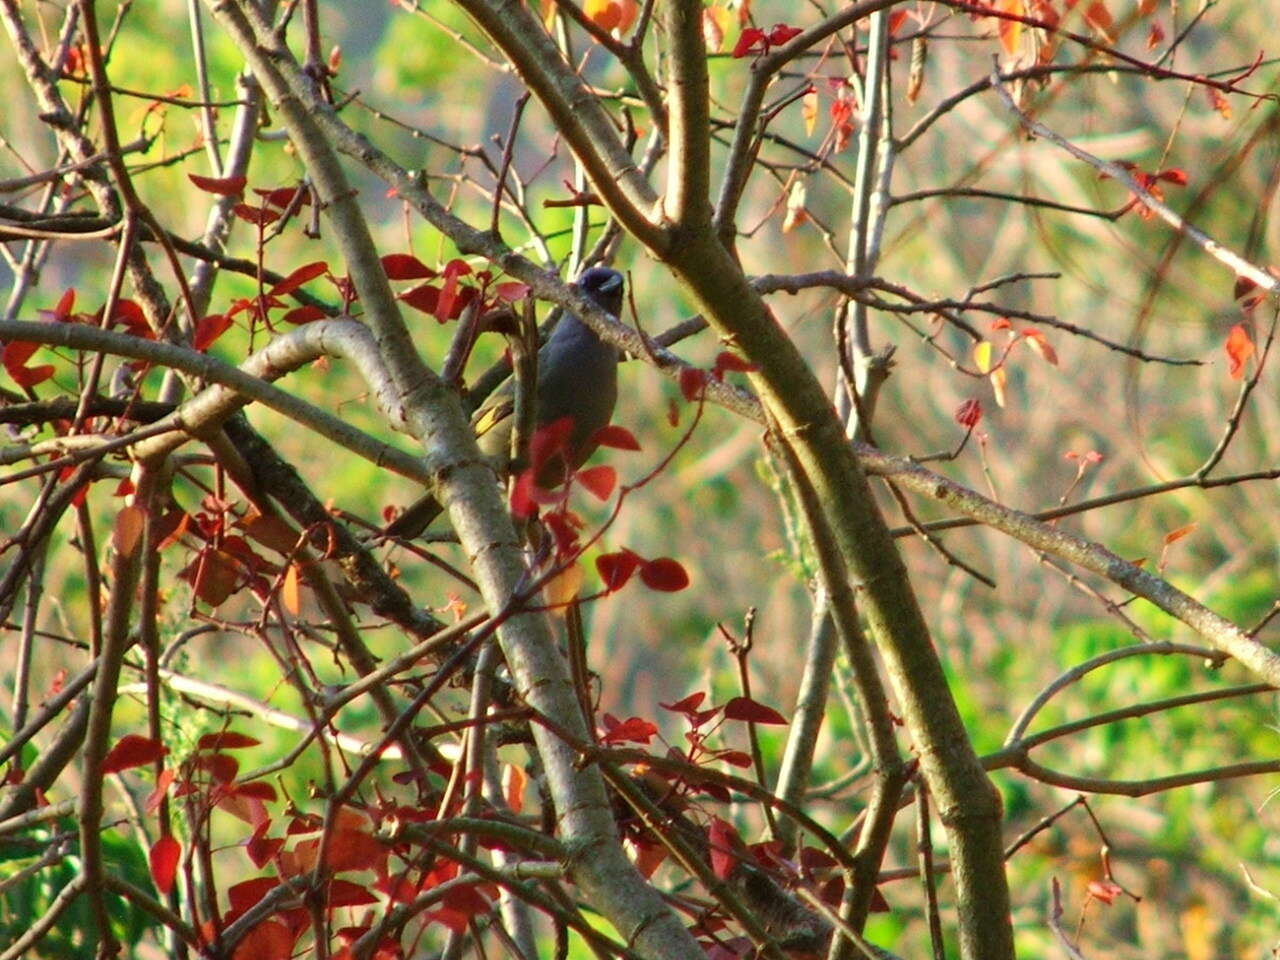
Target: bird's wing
[[497, 409]]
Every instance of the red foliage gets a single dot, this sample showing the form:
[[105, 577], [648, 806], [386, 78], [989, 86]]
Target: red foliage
[[133, 750]]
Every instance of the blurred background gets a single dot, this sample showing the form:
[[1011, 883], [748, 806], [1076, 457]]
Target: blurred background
[[424, 90]]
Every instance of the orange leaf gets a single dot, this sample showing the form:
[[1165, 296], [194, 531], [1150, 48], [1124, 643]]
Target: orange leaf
[[1239, 347], [809, 111], [599, 481], [612, 15], [1176, 535], [1011, 30], [163, 782], [291, 590], [1041, 346], [127, 531], [564, 586], [514, 781], [1099, 17], [715, 24]]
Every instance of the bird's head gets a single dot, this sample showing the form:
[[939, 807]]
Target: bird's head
[[605, 286]]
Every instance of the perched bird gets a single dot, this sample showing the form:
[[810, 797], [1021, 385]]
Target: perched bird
[[577, 378]]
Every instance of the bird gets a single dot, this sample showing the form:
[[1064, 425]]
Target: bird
[[577, 379]]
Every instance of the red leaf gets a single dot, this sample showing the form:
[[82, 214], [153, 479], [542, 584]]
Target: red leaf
[[620, 438], [213, 575], [969, 413], [62, 310], [282, 197], [296, 279], [164, 857], [344, 893], [744, 708], [467, 901], [255, 790], [423, 297], [1243, 287], [811, 858], [689, 704], [244, 895], [455, 921], [222, 186], [161, 788], [664, 574], [31, 376], [221, 767], [599, 481], [259, 217], [782, 33], [524, 503], [129, 315], [14, 358], [724, 842], [260, 848], [632, 730], [692, 382], [133, 751], [615, 569], [511, 292], [1173, 175], [301, 315], [269, 940], [1239, 347], [748, 41], [1104, 890], [726, 361], [354, 850], [449, 294], [18, 352], [210, 328], [428, 299], [226, 740], [549, 441], [405, 266]]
